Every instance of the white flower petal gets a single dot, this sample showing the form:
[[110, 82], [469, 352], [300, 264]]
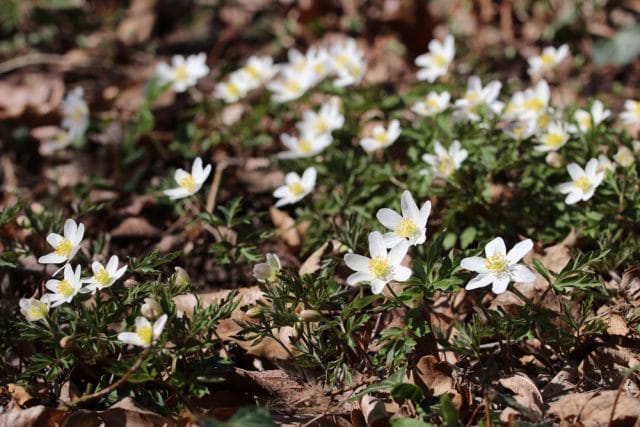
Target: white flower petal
[[519, 250]]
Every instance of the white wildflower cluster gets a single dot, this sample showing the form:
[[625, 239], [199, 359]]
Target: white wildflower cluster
[[189, 183], [64, 289], [183, 73], [256, 72], [75, 121]]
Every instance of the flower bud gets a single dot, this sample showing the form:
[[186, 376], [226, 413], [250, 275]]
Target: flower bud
[[130, 283], [310, 315], [66, 341], [23, 221], [181, 277], [554, 159], [151, 309], [255, 312], [267, 271], [37, 208]]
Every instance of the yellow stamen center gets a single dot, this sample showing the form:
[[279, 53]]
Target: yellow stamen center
[[496, 263], [582, 183], [320, 125], [636, 109], [534, 104], [554, 140], [188, 183], [432, 104], [318, 68], [547, 59], [296, 188], [102, 277], [233, 89], [181, 73], [145, 333], [64, 248], [77, 114], [292, 86], [65, 289], [406, 228], [472, 96], [305, 146], [445, 165], [439, 59], [543, 121], [252, 71], [342, 60], [37, 310], [585, 122], [379, 267], [381, 137]]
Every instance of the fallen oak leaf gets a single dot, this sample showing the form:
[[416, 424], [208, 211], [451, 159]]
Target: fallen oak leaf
[[433, 376], [593, 409], [525, 392], [135, 227]]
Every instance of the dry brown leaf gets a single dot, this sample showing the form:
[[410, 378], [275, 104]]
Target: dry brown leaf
[[35, 416], [127, 412], [605, 365], [286, 227], [312, 263], [593, 409], [19, 394], [258, 176], [433, 376], [137, 25], [616, 325], [525, 393], [373, 411], [630, 285], [37, 92], [566, 379], [135, 227]]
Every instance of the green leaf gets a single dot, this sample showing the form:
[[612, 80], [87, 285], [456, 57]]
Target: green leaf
[[621, 49], [449, 412], [407, 391], [249, 416]]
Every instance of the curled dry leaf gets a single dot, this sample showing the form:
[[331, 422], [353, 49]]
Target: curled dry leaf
[[524, 392], [434, 377], [19, 394], [40, 415], [312, 263], [566, 379], [286, 227], [135, 227], [138, 23], [593, 409], [373, 411], [259, 177], [35, 92], [605, 365]]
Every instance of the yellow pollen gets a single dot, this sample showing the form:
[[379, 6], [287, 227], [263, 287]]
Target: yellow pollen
[[496, 263], [547, 59], [380, 267], [554, 140], [65, 289], [381, 138], [181, 73], [145, 333], [188, 183], [305, 146], [342, 60], [543, 121], [356, 70], [102, 277], [318, 68], [320, 125], [38, 310], [292, 86], [439, 59], [77, 114], [252, 71], [233, 89], [534, 104], [64, 248], [582, 183], [446, 166], [472, 96], [432, 104], [406, 228], [296, 188], [585, 122]]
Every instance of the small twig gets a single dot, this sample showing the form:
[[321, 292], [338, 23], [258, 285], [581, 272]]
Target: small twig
[[31, 59], [113, 386], [215, 186], [487, 408], [395, 296]]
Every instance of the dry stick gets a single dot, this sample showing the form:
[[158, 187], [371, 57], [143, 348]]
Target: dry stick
[[30, 59], [215, 186], [619, 392], [113, 386]]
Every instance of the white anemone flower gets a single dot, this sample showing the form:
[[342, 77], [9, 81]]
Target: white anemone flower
[[183, 73], [189, 183], [103, 276], [348, 63], [381, 137], [436, 62], [307, 145], [434, 103], [63, 139], [410, 226], [520, 129], [325, 121], [146, 333], [65, 247], [477, 97], [631, 113], [64, 290], [33, 309], [267, 271], [258, 70], [624, 157], [234, 88], [583, 182], [499, 267], [290, 84], [587, 120], [76, 113], [296, 187], [605, 164], [382, 268], [549, 58], [445, 162], [555, 136]]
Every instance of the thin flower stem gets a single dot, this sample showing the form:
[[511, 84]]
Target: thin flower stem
[[397, 298], [110, 388]]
